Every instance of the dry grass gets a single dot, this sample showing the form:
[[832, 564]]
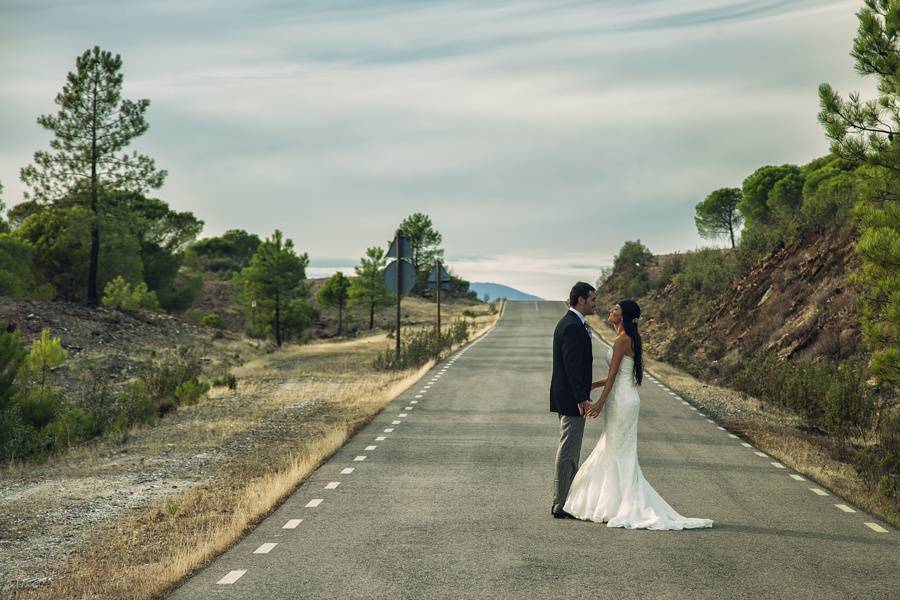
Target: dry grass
[[145, 554], [772, 429]]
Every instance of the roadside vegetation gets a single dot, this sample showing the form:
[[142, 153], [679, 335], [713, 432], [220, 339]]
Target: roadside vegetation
[[802, 310]]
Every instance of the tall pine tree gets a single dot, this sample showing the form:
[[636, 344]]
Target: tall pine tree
[[867, 132], [92, 128]]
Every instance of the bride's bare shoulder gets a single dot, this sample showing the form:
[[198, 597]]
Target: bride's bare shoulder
[[623, 344]]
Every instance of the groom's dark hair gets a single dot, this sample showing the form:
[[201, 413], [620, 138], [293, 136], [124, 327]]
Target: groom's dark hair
[[580, 290]]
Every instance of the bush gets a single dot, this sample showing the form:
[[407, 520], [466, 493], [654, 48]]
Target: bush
[[188, 392], [74, 426], [213, 320], [228, 380], [705, 273], [848, 408], [162, 378], [118, 293], [423, 345]]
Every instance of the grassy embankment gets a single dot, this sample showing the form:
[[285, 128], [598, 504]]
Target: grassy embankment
[[292, 410]]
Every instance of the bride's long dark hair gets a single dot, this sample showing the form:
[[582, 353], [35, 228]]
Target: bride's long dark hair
[[631, 313]]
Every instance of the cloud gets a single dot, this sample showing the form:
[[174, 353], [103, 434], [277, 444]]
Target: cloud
[[522, 128]]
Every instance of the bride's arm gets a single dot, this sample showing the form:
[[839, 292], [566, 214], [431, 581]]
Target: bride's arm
[[618, 352], [598, 384]]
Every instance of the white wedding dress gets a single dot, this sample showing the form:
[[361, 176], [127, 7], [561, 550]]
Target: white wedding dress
[[610, 486]]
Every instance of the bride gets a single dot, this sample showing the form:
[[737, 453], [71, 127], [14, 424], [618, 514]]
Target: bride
[[610, 486]]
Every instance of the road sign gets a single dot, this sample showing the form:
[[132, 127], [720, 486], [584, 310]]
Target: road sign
[[445, 278], [407, 277], [405, 251]]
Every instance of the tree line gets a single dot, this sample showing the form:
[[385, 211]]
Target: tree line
[[88, 230]]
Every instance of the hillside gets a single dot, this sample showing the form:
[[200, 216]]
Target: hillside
[[796, 304]]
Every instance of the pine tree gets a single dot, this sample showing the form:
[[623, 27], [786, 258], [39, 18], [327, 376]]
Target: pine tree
[[93, 125], [424, 241], [272, 280], [335, 293], [718, 215], [367, 288], [867, 132]]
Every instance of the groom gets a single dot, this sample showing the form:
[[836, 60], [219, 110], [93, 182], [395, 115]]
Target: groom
[[570, 388]]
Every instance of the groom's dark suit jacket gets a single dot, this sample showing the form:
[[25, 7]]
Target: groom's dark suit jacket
[[572, 358]]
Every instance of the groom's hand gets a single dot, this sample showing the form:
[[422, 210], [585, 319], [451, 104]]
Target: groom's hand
[[583, 407]]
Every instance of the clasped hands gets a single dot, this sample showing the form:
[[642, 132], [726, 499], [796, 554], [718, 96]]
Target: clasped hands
[[592, 409]]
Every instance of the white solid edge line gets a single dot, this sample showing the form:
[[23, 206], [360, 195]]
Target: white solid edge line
[[292, 524], [876, 527], [231, 577], [265, 548]]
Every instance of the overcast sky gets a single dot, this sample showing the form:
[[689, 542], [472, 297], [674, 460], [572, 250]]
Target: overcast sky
[[539, 136]]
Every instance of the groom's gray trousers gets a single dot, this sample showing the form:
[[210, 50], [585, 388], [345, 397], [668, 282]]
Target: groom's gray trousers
[[571, 430]]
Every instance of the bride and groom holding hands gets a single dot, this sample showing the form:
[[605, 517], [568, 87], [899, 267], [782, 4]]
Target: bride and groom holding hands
[[610, 486]]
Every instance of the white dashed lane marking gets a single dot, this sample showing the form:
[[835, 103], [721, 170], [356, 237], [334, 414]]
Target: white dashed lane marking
[[876, 527], [413, 401], [778, 465], [731, 435], [761, 454], [818, 491], [231, 577], [332, 485], [797, 477], [359, 459], [371, 447], [314, 503], [401, 415], [292, 524], [845, 508], [395, 422], [746, 445], [380, 438], [389, 430], [347, 471], [265, 548]]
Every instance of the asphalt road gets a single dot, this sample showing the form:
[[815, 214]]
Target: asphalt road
[[454, 502]]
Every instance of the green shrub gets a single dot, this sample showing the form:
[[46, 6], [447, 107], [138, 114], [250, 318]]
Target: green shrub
[[704, 274], [423, 345], [848, 408], [162, 378], [227, 379], [72, 427], [213, 320], [188, 392], [118, 293], [136, 405]]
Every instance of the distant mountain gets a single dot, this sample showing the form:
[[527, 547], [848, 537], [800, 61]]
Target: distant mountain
[[495, 290]]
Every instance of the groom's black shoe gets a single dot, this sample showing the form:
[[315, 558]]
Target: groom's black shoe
[[561, 515]]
